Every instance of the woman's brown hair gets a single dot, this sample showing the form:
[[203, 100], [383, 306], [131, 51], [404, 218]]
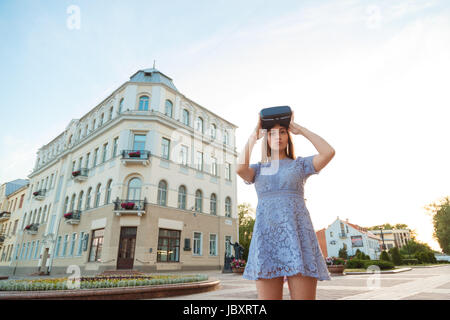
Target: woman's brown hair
[[266, 150]]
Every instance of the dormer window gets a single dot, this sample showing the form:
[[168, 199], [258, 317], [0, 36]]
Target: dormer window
[[147, 74]]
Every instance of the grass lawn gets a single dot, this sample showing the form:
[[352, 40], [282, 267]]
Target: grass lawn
[[400, 267]]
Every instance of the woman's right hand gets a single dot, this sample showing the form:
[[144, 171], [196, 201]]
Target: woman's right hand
[[258, 132]]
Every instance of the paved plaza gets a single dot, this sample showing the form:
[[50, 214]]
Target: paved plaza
[[417, 284]]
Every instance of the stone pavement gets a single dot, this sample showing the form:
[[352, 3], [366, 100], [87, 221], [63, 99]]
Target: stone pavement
[[416, 284]]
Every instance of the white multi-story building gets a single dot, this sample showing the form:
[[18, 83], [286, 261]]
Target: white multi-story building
[[342, 234], [145, 180]]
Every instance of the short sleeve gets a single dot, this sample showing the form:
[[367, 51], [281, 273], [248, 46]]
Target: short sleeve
[[307, 166], [256, 167]]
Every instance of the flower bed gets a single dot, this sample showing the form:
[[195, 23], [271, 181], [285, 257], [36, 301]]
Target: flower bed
[[98, 282]]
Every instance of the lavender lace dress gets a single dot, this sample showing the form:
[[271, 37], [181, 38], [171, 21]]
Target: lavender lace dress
[[284, 242]]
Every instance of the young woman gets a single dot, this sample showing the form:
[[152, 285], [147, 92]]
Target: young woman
[[284, 243]]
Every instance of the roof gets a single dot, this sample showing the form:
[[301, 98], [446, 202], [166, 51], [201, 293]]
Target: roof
[[14, 185], [153, 75]]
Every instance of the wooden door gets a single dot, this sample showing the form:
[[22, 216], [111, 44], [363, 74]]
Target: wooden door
[[127, 243]]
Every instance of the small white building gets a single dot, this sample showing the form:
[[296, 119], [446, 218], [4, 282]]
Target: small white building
[[342, 234]]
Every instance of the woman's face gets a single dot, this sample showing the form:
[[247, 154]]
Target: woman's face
[[278, 138]]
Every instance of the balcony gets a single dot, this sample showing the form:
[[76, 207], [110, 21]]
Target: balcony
[[32, 228], [342, 235], [73, 217], [80, 175], [136, 157], [39, 195], [136, 207], [4, 216]]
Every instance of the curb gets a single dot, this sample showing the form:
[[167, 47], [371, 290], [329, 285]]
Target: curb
[[385, 271], [124, 293]]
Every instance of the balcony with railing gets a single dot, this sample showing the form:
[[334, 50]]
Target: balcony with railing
[[73, 217], [4, 216], [32, 228], [135, 157], [40, 194], [80, 175], [136, 207], [342, 235]]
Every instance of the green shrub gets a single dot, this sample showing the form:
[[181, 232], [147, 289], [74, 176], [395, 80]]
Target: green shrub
[[355, 264], [384, 256], [396, 256], [382, 264], [410, 261], [343, 253]]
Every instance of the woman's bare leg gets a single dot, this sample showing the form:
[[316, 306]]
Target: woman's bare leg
[[302, 287], [270, 289]]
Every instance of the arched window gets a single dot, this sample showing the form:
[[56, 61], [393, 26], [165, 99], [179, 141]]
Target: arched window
[[199, 124], [80, 201], [66, 205], [198, 200], [213, 204], [169, 108], [182, 197], [88, 198], [108, 192], [72, 202], [186, 117], [162, 193], [102, 118], [110, 113], [38, 220], [213, 131], [70, 140], [225, 137], [228, 207], [24, 220], [143, 103], [44, 215], [97, 196], [121, 105], [134, 189]]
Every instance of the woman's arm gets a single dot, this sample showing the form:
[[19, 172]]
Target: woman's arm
[[242, 168]]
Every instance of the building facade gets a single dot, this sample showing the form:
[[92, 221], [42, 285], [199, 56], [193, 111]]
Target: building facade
[[145, 181], [342, 234], [393, 238]]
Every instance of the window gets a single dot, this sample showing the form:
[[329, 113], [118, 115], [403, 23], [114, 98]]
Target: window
[[66, 241], [93, 124], [105, 151], [134, 189], [97, 196], [162, 193], [184, 155], [213, 245], [102, 118], [199, 124], [110, 113], [182, 197], [96, 245], [116, 142], [72, 244], [213, 131], [228, 207], [66, 205], [213, 166], [198, 200], [199, 161], [80, 201], [197, 243], [121, 105], [80, 244], [228, 171], [21, 201], [108, 192], [213, 204], [186, 117], [87, 160], [139, 142], [80, 162], [331, 233], [95, 157], [37, 250], [168, 246], [165, 147], [143, 103], [73, 165], [169, 108], [225, 137], [31, 250], [228, 246], [88, 198], [72, 202]]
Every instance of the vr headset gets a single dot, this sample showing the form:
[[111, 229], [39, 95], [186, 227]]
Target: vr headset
[[273, 115]]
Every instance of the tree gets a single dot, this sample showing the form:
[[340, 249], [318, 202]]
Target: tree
[[396, 256], [246, 223], [441, 223], [343, 253], [384, 256]]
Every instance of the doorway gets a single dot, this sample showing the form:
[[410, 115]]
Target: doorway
[[127, 244]]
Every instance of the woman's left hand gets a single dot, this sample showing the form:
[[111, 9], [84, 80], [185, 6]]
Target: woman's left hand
[[293, 127]]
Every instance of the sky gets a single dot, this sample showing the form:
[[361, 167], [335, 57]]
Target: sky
[[370, 77]]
